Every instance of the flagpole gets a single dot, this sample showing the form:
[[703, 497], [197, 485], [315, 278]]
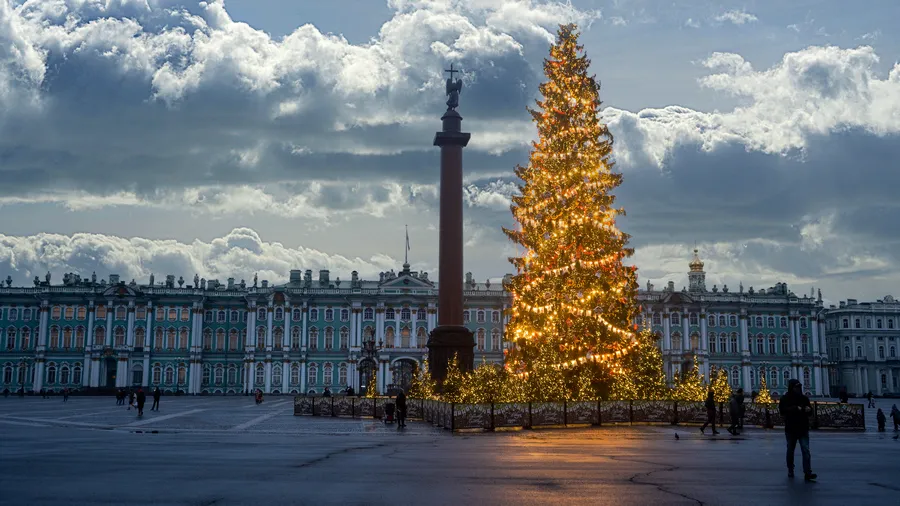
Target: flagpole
[[406, 253]]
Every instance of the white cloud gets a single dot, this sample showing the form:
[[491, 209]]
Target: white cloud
[[691, 23], [618, 21], [736, 17]]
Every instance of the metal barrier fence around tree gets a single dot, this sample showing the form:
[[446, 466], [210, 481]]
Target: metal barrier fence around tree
[[491, 416]]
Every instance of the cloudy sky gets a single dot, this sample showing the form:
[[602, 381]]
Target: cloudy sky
[[227, 138]]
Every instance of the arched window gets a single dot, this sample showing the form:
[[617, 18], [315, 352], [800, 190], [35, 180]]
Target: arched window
[[479, 339], [13, 314], [278, 338], [207, 339], [54, 337], [182, 374], [893, 352], [695, 342], [183, 337], [158, 338], [806, 382], [220, 339], [342, 375], [389, 337], [803, 323], [156, 374], [422, 337], [368, 314], [881, 352], [804, 344], [160, 314], [345, 338], [297, 314], [327, 375], [712, 342], [760, 347], [758, 321], [11, 338], [723, 321], [313, 338], [26, 338], [676, 340], [846, 352], [67, 337], [81, 314], [8, 374], [55, 312], [734, 343], [735, 376], [732, 321], [312, 374], [51, 373], [277, 379], [405, 314], [693, 319], [139, 335], [208, 317], [221, 316], [783, 322], [261, 314], [100, 335], [279, 313], [170, 375], [295, 374], [773, 377], [770, 322], [752, 376], [368, 334], [421, 315], [345, 315], [76, 374], [859, 352], [785, 344], [329, 338], [711, 321], [232, 375], [64, 374], [260, 338], [119, 334], [786, 375], [121, 312], [313, 315], [233, 340], [207, 375], [389, 314], [405, 334], [675, 318], [170, 338], [329, 315], [173, 314], [295, 338], [466, 317], [772, 349]]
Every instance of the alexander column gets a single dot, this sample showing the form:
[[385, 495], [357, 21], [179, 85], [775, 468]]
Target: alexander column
[[451, 337]]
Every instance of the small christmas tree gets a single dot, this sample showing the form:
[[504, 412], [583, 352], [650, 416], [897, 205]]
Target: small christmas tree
[[372, 388], [640, 374], [487, 382], [456, 387], [764, 397], [422, 386], [720, 386], [690, 386]]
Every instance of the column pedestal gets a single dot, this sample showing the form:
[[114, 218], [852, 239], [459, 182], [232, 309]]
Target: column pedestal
[[445, 342]]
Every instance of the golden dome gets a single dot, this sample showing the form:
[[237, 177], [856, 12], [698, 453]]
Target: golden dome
[[696, 264]]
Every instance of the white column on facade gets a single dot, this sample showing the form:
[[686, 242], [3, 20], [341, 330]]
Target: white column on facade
[[817, 377], [109, 324], [704, 344], [432, 319], [745, 353], [148, 328], [859, 382], [304, 335], [379, 325], [795, 338], [89, 364], [814, 335], [196, 370], [270, 319], [129, 326], [288, 327], [41, 346], [354, 316], [686, 331], [303, 368], [245, 378], [667, 345], [285, 377], [251, 328], [359, 327], [268, 368]]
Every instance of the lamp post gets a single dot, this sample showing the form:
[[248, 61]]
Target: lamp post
[[26, 364], [370, 351]]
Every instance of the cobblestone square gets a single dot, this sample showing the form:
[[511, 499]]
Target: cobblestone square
[[205, 450]]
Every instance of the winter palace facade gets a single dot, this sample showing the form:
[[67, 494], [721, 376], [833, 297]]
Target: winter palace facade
[[306, 335]]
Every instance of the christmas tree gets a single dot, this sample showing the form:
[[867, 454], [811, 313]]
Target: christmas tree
[[422, 385], [457, 386], [690, 385], [372, 388], [573, 299], [721, 387], [764, 397], [640, 374]]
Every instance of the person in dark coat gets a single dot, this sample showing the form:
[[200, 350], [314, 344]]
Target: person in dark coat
[[795, 408], [736, 409], [871, 399], [141, 399], [401, 409], [881, 419], [156, 394], [710, 413], [895, 415], [130, 398]]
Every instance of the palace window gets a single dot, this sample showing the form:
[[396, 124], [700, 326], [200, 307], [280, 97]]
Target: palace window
[[121, 312], [770, 322], [783, 322], [233, 340], [732, 321], [342, 375], [312, 374], [11, 338], [495, 340], [845, 323], [234, 316], [785, 345], [657, 319], [773, 377], [185, 314], [345, 338], [327, 375], [295, 338], [857, 323], [279, 314], [207, 375], [329, 338], [759, 345], [758, 322], [313, 315], [208, 316], [480, 316], [345, 315], [8, 374], [183, 338], [893, 352], [54, 337], [173, 314], [368, 314], [890, 323], [100, 335], [26, 337], [261, 314], [82, 313], [69, 313], [389, 314], [694, 320], [221, 316], [79, 336], [878, 323], [260, 375], [157, 339], [421, 315], [676, 341], [735, 377], [232, 375], [329, 315], [220, 339], [859, 352], [278, 338], [220, 374], [806, 381], [723, 321], [804, 344], [140, 313], [313, 338], [260, 338], [772, 344], [466, 318], [803, 323], [405, 335], [389, 337], [51, 373], [76, 374], [156, 374], [881, 352], [119, 334], [786, 375], [171, 334], [675, 318], [277, 381], [480, 340], [13, 314], [297, 314], [846, 352], [711, 321], [295, 374], [55, 312]]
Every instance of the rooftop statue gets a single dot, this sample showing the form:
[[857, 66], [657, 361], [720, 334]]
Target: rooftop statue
[[454, 88]]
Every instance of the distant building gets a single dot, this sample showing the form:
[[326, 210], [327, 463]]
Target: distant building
[[863, 340], [212, 338], [772, 333]]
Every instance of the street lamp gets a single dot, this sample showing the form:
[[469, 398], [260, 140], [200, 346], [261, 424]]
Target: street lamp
[[370, 351], [26, 365]]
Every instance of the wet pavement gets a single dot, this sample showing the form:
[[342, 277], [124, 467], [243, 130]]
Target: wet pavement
[[205, 450]]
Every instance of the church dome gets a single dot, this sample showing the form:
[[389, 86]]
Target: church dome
[[696, 264]]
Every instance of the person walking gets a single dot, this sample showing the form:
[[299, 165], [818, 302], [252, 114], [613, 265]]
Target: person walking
[[141, 399], [156, 394], [881, 419], [710, 413], [895, 416], [401, 409], [66, 394], [796, 408], [871, 399], [130, 398], [735, 409]]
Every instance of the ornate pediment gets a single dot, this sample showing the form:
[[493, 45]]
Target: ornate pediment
[[677, 298], [405, 279], [121, 291]]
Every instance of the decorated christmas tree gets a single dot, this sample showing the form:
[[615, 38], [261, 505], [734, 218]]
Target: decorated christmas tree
[[640, 374], [372, 387], [573, 298], [721, 387], [422, 385], [764, 397], [457, 385], [690, 385]]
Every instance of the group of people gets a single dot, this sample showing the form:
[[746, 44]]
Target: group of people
[[137, 399], [895, 417], [735, 409]]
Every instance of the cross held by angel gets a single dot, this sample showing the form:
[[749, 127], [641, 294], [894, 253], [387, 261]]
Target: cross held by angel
[[453, 89]]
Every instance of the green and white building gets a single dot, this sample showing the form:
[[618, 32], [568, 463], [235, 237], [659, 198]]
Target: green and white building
[[215, 338], [754, 334]]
